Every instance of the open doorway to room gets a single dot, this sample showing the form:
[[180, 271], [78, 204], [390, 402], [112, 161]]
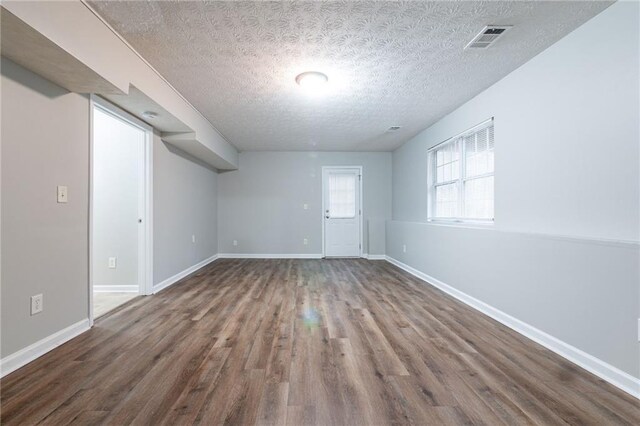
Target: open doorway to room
[[120, 259]]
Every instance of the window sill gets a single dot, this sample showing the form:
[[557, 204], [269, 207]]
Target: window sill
[[482, 224]]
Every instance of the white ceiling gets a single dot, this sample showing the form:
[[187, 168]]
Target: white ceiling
[[389, 63]]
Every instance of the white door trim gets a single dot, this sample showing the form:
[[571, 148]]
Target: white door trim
[[146, 234], [361, 205]]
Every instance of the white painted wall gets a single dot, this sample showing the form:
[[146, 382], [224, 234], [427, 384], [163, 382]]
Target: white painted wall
[[118, 160], [261, 205], [567, 163]]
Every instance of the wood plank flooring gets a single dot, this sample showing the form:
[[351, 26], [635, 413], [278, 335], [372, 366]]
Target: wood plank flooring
[[299, 342]]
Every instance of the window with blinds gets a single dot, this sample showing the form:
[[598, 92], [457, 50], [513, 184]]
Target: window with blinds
[[461, 176]]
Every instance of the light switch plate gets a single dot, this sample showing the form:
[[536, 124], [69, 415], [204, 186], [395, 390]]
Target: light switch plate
[[305, 206], [62, 194], [235, 242], [305, 241], [36, 304], [193, 238], [112, 263]]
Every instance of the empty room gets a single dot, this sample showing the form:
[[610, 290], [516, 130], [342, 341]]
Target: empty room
[[320, 212]]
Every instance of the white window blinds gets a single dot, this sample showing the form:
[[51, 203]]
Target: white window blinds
[[478, 181], [461, 176], [342, 195]]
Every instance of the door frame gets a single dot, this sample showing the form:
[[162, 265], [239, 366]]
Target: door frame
[[145, 236], [361, 215]]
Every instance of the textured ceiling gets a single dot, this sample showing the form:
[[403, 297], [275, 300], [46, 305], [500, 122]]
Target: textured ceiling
[[389, 63]]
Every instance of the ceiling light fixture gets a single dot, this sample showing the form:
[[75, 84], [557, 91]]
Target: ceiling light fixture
[[312, 81], [150, 115]]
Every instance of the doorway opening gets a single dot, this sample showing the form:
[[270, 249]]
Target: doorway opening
[[342, 211], [120, 208]]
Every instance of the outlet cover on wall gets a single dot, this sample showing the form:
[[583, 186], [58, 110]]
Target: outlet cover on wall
[[112, 263], [305, 241], [305, 206], [235, 242], [404, 248], [36, 304], [62, 194], [193, 238]]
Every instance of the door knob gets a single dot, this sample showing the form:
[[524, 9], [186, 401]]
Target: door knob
[[326, 217]]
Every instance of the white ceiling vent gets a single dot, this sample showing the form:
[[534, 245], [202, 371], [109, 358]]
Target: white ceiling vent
[[487, 36]]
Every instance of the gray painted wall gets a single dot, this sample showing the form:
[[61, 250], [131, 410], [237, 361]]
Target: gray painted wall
[[261, 204], [567, 151], [582, 292], [45, 142], [184, 204], [117, 157], [45, 134]]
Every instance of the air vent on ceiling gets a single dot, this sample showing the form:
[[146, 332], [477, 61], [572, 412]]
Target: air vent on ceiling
[[487, 36], [393, 128]]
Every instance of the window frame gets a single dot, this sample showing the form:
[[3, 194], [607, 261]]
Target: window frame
[[460, 181]]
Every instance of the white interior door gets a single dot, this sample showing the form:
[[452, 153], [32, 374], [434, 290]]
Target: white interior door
[[342, 214]]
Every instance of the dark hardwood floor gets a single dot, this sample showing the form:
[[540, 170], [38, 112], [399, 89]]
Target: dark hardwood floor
[[299, 342]]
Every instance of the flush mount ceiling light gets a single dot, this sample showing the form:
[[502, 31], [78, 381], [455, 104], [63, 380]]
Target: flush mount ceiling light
[[150, 115], [312, 81]]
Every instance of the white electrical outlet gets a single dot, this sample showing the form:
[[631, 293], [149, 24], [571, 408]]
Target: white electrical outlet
[[305, 206], [404, 248], [305, 241], [193, 238], [62, 194], [112, 263], [36, 304], [235, 242]]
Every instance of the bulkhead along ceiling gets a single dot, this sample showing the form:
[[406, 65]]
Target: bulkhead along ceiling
[[388, 63]]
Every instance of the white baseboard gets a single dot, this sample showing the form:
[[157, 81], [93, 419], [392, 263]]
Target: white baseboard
[[605, 371], [115, 289], [269, 256], [24, 356], [180, 275], [376, 256], [289, 256]]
